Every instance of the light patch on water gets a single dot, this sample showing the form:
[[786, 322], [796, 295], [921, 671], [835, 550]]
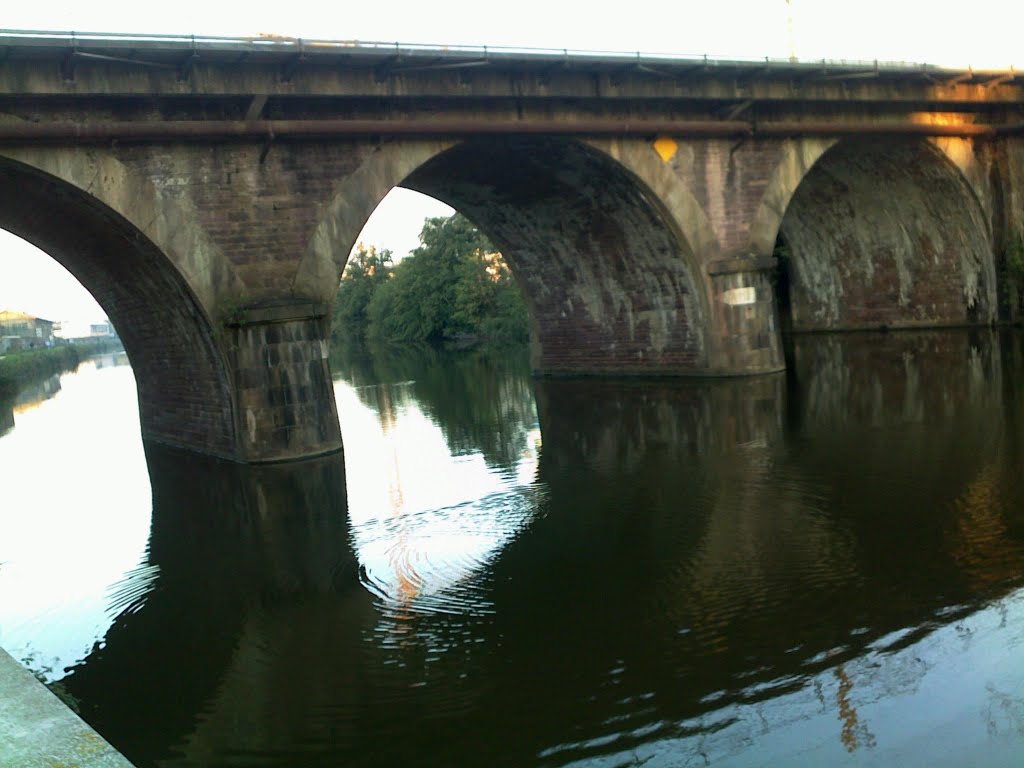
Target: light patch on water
[[940, 701], [75, 516], [425, 522]]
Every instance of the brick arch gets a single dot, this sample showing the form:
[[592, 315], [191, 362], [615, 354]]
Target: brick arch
[[680, 207], [183, 382], [886, 233], [961, 154], [609, 281], [154, 204], [355, 198], [797, 158]]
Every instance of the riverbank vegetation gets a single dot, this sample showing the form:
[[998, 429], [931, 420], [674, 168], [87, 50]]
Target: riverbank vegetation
[[20, 368], [454, 288]]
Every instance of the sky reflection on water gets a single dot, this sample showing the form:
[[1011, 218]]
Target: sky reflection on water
[[425, 523], [75, 512]]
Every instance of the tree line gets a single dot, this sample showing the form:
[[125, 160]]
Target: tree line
[[454, 287]]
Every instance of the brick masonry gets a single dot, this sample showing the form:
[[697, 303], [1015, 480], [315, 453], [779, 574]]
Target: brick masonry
[[610, 287], [631, 262], [283, 383], [888, 234], [185, 394], [747, 321]]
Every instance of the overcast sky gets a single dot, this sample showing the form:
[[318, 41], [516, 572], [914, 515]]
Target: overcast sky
[[983, 34]]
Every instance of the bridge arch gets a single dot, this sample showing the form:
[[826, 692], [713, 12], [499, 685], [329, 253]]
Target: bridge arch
[[610, 282], [675, 198], [185, 393], [876, 233], [797, 158]]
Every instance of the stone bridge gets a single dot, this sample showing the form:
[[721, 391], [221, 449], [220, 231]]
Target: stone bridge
[[661, 216]]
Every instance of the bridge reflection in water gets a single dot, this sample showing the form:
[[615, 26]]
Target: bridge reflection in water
[[772, 570]]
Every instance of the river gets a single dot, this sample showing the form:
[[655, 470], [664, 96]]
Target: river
[[818, 568]]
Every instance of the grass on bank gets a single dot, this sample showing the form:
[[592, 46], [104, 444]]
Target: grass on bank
[[17, 369]]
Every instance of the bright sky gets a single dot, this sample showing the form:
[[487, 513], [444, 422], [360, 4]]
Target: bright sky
[[983, 34]]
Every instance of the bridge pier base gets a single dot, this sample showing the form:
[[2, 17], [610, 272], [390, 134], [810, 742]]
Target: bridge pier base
[[746, 318], [284, 396]]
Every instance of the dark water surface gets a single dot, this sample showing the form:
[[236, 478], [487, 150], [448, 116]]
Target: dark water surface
[[824, 568]]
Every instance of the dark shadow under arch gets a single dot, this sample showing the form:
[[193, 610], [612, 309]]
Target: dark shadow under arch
[[886, 233], [609, 285], [184, 389]]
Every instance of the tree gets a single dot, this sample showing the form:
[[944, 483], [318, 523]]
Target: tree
[[366, 271], [455, 285], [487, 299]]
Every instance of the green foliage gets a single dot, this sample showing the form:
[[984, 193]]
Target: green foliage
[[417, 302], [20, 368], [455, 286], [367, 271]]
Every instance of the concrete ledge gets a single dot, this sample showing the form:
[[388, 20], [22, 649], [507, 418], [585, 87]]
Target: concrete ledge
[[38, 731], [658, 373], [734, 266], [897, 327], [277, 313]]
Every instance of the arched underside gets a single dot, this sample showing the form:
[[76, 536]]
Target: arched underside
[[886, 233], [184, 393], [608, 283]]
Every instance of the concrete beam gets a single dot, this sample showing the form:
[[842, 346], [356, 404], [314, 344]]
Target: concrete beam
[[106, 79], [94, 65], [268, 130]]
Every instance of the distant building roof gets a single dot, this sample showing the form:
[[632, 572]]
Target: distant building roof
[[8, 315]]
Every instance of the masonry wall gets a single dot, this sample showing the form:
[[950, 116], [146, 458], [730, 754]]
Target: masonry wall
[[185, 396], [283, 384], [887, 234], [610, 287], [633, 259]]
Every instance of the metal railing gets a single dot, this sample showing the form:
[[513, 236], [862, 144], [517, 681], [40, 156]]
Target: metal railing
[[285, 44]]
